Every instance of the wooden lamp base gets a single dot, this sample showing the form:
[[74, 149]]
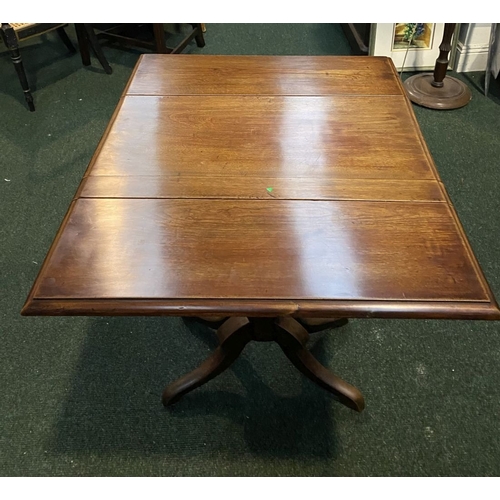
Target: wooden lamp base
[[452, 94], [436, 90]]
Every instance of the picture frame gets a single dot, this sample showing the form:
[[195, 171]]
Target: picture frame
[[391, 39]]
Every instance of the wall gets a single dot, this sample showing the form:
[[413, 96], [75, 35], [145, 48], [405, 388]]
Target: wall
[[472, 47]]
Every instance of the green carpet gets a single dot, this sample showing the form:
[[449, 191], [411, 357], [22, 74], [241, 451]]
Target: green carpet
[[81, 396]]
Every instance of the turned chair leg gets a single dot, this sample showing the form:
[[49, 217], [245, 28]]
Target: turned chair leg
[[10, 40]]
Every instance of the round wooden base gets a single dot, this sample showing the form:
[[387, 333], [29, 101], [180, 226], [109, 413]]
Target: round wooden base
[[452, 95]]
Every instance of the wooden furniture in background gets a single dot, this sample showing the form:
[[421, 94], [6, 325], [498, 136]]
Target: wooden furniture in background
[[271, 191], [437, 90], [87, 40], [13, 33], [492, 54], [132, 35], [358, 36]]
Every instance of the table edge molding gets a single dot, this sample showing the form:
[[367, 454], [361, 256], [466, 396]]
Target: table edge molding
[[245, 307]]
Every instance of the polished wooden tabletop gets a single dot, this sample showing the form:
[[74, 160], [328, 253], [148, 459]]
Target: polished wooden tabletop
[[262, 186]]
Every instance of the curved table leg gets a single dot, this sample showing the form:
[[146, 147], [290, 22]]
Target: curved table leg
[[233, 336], [292, 337]]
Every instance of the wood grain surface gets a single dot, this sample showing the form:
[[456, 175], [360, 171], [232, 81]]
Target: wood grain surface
[[262, 186], [262, 75], [322, 137], [273, 249]]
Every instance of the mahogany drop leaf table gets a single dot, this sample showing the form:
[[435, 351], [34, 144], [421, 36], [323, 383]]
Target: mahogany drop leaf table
[[267, 195]]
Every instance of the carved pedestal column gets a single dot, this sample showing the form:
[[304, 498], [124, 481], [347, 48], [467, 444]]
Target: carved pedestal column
[[436, 90]]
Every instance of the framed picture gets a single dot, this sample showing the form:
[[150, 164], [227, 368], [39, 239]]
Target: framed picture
[[414, 44]]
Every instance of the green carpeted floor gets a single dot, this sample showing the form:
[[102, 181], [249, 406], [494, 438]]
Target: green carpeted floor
[[81, 396]]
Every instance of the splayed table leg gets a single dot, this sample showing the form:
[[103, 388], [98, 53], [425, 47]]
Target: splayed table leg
[[236, 332]]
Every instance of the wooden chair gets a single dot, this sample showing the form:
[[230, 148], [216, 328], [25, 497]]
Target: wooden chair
[[87, 39], [13, 33], [123, 34]]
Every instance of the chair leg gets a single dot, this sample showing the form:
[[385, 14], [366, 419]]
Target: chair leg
[[83, 44], [65, 38], [10, 40], [159, 35], [96, 47], [200, 40]]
